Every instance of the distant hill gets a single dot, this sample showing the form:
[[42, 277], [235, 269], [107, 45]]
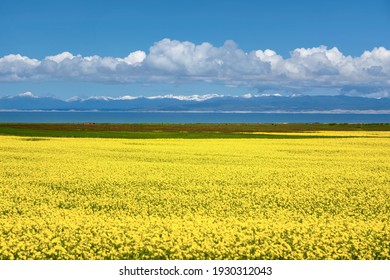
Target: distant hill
[[203, 103]]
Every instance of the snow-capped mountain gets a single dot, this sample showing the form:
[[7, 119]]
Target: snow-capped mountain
[[202, 103]]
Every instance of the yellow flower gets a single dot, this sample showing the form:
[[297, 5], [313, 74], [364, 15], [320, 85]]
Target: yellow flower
[[318, 198]]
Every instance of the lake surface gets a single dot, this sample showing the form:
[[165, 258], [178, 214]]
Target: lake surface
[[180, 117]]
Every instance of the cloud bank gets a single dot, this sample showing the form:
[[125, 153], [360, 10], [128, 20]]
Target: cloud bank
[[172, 61]]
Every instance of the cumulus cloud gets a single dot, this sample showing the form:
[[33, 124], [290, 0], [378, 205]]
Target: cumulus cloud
[[135, 58], [174, 61], [185, 60], [60, 57], [15, 67]]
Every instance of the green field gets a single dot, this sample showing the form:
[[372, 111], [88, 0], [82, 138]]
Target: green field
[[189, 131]]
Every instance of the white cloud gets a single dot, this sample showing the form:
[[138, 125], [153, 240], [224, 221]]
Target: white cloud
[[174, 61], [135, 58], [60, 57], [182, 61], [271, 57], [15, 67]]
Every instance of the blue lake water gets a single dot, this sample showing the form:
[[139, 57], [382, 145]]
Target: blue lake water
[[169, 117]]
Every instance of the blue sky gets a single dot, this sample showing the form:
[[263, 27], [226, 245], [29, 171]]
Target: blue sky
[[194, 47]]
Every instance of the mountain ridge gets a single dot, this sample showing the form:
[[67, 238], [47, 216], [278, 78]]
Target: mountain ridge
[[199, 103]]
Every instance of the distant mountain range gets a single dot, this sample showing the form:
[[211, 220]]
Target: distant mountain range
[[201, 103]]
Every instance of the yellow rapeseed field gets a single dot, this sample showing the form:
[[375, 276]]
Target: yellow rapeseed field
[[325, 198]]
